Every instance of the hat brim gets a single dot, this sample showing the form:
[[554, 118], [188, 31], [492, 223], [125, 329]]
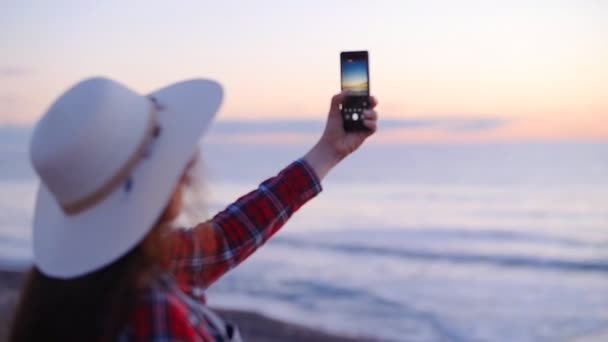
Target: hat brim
[[70, 246]]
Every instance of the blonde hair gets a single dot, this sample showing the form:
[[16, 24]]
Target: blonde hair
[[195, 207]]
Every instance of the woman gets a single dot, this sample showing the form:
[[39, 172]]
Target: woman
[[113, 165]]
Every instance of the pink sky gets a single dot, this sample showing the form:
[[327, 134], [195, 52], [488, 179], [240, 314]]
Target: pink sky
[[542, 66]]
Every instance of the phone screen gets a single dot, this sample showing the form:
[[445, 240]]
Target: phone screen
[[355, 73], [354, 68]]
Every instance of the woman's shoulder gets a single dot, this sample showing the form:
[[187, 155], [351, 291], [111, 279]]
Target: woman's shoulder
[[157, 299], [159, 311]]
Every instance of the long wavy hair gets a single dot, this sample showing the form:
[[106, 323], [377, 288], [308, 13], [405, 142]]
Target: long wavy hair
[[93, 307], [96, 306]]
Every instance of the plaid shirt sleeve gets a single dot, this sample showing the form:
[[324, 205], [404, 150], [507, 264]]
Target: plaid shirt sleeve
[[204, 253]]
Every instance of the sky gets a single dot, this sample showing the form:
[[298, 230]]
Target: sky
[[539, 69]]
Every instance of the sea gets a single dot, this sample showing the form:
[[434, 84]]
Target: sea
[[407, 242]]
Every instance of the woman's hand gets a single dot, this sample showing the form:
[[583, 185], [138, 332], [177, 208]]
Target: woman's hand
[[335, 144]]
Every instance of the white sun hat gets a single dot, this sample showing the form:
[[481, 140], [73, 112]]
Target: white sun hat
[[109, 159]]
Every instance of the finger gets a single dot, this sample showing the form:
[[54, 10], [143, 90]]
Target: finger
[[371, 124], [373, 102], [337, 100], [370, 114]]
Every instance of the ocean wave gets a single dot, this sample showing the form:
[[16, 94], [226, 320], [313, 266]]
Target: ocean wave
[[318, 296], [449, 233], [518, 261]]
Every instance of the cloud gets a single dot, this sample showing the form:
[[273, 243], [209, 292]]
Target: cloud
[[302, 131], [14, 135], [12, 71], [452, 124], [9, 104], [284, 131], [266, 126]]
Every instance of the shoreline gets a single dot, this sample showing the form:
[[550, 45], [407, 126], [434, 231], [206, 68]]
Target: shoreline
[[254, 326]]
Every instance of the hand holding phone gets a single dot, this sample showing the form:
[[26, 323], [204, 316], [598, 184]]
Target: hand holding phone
[[354, 67], [335, 143]]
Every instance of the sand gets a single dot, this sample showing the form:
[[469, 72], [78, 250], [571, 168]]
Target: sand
[[253, 326]]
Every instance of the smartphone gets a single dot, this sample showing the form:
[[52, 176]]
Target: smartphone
[[354, 70]]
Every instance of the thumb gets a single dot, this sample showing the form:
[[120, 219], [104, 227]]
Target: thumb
[[336, 101]]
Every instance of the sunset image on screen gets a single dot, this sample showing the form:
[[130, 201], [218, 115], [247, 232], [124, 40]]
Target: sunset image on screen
[[354, 76]]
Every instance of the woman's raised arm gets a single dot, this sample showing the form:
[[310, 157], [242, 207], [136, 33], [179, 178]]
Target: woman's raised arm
[[202, 254]]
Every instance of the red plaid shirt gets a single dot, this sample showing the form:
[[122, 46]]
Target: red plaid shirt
[[199, 256]]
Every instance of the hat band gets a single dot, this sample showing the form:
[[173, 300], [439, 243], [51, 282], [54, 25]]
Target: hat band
[[120, 176]]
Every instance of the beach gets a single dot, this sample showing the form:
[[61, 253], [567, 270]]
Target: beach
[[253, 326]]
